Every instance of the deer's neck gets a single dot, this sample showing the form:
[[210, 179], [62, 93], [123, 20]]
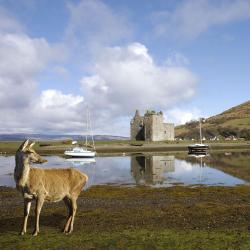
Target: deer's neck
[[22, 170]]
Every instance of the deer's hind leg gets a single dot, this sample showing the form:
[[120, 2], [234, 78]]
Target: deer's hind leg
[[74, 207], [70, 213], [27, 204]]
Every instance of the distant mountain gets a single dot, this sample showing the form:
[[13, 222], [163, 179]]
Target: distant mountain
[[232, 122], [23, 136]]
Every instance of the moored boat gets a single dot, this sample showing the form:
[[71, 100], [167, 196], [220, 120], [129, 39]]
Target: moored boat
[[83, 152], [198, 148], [79, 152]]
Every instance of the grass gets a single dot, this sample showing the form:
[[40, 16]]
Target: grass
[[132, 239], [58, 147], [136, 218], [238, 123]]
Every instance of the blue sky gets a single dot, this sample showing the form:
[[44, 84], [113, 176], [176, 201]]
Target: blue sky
[[188, 58]]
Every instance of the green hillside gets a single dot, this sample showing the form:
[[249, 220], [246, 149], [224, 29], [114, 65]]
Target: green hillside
[[234, 122]]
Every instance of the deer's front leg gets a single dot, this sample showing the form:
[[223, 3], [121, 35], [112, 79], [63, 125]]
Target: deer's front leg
[[39, 204], [27, 204]]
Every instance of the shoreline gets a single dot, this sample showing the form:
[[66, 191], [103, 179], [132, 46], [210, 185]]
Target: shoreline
[[57, 147]]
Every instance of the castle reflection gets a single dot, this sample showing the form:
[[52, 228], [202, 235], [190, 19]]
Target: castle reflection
[[150, 170]]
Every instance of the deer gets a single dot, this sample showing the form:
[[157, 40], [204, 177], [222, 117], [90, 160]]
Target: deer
[[46, 185]]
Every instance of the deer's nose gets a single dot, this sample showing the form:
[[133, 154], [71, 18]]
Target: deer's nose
[[42, 160]]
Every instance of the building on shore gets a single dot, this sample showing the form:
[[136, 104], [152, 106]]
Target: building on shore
[[150, 127]]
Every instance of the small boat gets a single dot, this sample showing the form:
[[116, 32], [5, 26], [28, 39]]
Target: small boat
[[198, 148], [79, 152], [83, 151]]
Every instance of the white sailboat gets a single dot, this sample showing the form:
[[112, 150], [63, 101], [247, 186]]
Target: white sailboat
[[198, 148], [84, 152]]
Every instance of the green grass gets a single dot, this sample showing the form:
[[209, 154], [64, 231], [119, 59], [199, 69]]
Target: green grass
[[239, 123], [109, 147], [135, 218], [130, 239]]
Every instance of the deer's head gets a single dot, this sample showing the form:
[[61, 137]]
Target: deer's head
[[27, 152]]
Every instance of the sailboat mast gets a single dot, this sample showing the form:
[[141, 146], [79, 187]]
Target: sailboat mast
[[91, 130], [86, 135], [200, 132]]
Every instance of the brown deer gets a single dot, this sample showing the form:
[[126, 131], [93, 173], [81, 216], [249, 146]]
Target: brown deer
[[50, 185]]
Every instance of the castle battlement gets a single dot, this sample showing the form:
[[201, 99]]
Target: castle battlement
[[150, 127]]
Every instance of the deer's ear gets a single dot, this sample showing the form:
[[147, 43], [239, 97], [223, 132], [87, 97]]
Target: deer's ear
[[32, 144], [24, 145]]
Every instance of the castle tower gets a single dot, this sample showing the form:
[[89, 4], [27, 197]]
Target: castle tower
[[137, 127], [151, 127]]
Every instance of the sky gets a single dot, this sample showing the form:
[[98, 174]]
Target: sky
[[187, 58]]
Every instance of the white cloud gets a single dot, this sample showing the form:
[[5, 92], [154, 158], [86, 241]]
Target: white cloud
[[22, 58], [176, 59], [181, 116], [7, 22], [58, 112], [23, 108], [52, 111], [53, 99], [127, 78], [192, 17], [93, 24]]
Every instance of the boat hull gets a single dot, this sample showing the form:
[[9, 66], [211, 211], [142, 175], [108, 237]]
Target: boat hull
[[80, 154], [197, 149]]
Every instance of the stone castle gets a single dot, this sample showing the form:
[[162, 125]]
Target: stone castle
[[150, 127]]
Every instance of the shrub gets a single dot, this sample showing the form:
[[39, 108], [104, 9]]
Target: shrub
[[245, 133], [136, 144], [67, 142], [44, 144]]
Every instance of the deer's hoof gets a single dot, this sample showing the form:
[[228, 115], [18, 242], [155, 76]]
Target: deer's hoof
[[22, 233], [67, 232], [35, 233]]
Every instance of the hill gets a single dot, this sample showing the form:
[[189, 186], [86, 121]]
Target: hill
[[234, 122], [23, 136]]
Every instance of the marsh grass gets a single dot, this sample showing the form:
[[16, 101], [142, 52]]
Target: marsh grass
[[58, 147], [140, 239], [135, 218]]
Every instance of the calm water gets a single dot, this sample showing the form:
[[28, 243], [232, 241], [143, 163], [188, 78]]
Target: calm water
[[153, 170]]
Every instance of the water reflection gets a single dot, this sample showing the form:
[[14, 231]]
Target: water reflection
[[199, 157], [77, 162], [150, 170]]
